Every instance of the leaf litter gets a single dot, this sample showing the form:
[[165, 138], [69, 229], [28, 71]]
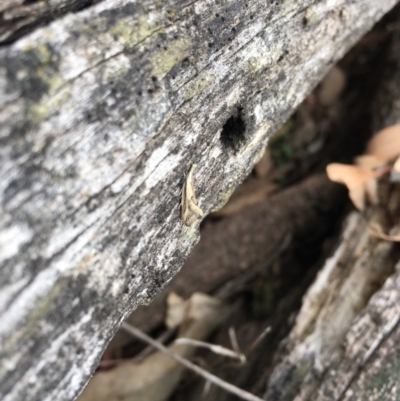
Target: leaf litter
[[382, 156]]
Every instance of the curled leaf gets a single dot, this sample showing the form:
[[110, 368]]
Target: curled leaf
[[175, 310], [356, 180], [349, 175], [370, 162], [385, 144]]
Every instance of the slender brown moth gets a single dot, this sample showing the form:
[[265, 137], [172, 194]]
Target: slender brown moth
[[190, 211]]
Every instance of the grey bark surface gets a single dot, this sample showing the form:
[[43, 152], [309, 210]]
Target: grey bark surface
[[101, 114], [330, 308], [370, 367], [18, 17]]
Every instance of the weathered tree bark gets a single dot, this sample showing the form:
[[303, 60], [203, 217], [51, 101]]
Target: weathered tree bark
[[18, 17], [102, 113], [359, 266]]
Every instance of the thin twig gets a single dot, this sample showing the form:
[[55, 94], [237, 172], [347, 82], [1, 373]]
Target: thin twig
[[217, 349], [163, 338], [257, 341], [206, 375], [376, 231], [206, 389], [382, 336], [233, 339]]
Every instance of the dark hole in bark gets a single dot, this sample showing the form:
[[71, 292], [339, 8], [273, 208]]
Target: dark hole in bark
[[233, 131]]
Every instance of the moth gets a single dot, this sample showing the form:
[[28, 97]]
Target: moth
[[190, 211]]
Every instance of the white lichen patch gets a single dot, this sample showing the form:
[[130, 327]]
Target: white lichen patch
[[12, 239], [260, 53], [132, 31], [259, 134], [48, 105], [115, 67], [121, 183]]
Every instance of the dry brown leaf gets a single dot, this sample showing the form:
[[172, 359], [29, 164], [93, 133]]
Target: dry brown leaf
[[356, 180], [175, 310], [349, 175], [369, 162], [386, 143]]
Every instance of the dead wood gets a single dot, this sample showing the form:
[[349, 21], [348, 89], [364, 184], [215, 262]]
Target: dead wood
[[102, 112], [369, 367], [18, 17]]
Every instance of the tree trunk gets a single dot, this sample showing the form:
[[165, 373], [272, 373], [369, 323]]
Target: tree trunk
[[101, 115]]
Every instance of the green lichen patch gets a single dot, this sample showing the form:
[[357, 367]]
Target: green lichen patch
[[197, 86], [163, 60], [48, 105], [31, 70], [388, 373], [133, 31]]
